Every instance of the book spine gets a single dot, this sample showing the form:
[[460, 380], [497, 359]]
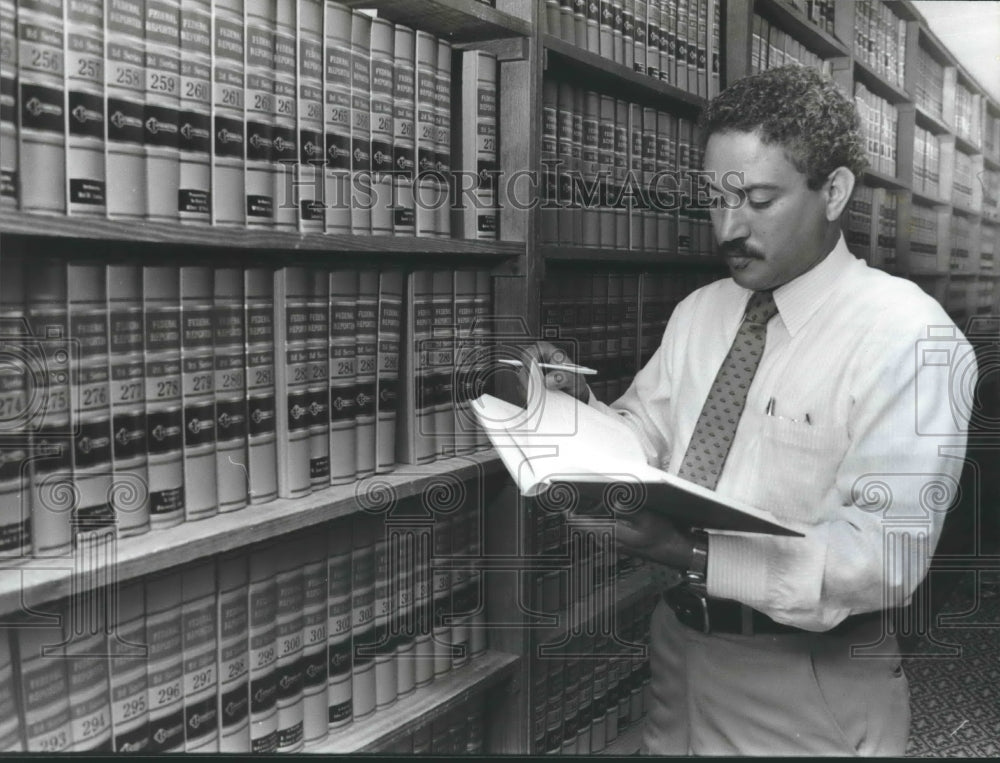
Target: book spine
[[314, 637], [51, 430], [654, 30], [404, 132], [621, 170], [194, 197], [484, 314], [43, 691], [615, 315], [442, 139], [261, 398], [548, 211], [476, 604], [383, 35], [589, 155], [85, 176], [164, 406], [426, 189], [640, 36], [441, 593], [630, 330], [599, 335], [360, 198], [390, 313], [415, 443], [423, 612], [576, 165], [233, 656], [41, 127], [343, 376], [668, 43], [635, 175], [291, 324], [441, 357], [198, 391], [666, 218], [231, 462], [715, 49], [309, 171], [649, 214], [628, 33], [401, 627], [229, 133], [580, 23], [261, 635], [479, 146], [87, 679], [617, 30], [289, 665], [565, 165], [606, 165], [127, 672], [9, 179], [337, 116], [466, 361], [606, 28], [15, 528], [165, 669], [681, 44], [90, 390], [318, 391], [384, 646], [259, 18], [199, 612], [593, 23], [461, 586], [366, 348], [364, 533], [285, 138], [162, 109], [339, 623], [702, 52]]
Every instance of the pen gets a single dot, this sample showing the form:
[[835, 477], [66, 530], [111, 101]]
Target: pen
[[568, 367], [769, 411]]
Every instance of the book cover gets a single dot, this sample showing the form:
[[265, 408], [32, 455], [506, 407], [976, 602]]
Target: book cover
[[702, 49], [484, 314], [308, 189], [233, 656], [383, 648], [640, 34], [390, 313], [228, 122], [51, 430], [343, 376], [84, 648], [162, 109], [364, 533], [468, 360], [620, 171], [41, 127], [684, 42], [383, 35], [9, 179], [548, 211], [194, 134], [285, 137], [86, 180], [442, 139], [402, 560], [654, 37], [261, 636], [291, 328], [606, 46], [127, 658], [198, 391], [628, 33], [590, 234], [15, 507], [427, 188], [199, 613], [478, 156], [231, 462], [565, 165], [90, 410], [366, 348], [580, 23], [617, 29], [666, 218], [360, 198], [339, 622], [593, 22], [606, 220], [314, 636], [649, 214], [576, 166], [415, 437], [423, 602], [288, 663], [164, 405], [404, 132], [635, 211], [441, 359], [337, 116], [318, 371], [259, 18], [262, 458], [165, 666], [42, 690]]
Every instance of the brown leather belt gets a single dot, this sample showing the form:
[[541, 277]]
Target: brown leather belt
[[709, 615]]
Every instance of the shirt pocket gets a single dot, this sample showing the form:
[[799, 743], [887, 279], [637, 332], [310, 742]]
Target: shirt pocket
[[798, 465]]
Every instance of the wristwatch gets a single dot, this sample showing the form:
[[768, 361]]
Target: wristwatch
[[697, 572]]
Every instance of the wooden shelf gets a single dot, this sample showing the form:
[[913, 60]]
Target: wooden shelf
[[930, 122], [964, 210], [242, 239], [457, 21], [880, 179], [628, 742], [387, 726], [626, 257], [792, 20], [966, 145], [991, 162], [874, 82], [35, 581], [931, 200], [606, 76]]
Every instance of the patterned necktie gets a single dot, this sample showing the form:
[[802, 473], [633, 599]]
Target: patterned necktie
[[716, 427]]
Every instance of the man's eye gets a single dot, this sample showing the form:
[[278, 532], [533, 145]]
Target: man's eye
[[760, 203]]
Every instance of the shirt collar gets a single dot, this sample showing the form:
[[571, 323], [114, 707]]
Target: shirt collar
[[798, 299]]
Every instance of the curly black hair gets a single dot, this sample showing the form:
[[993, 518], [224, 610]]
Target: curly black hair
[[795, 107]]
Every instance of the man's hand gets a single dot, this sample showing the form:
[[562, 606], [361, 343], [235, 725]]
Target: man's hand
[[650, 535], [546, 352]]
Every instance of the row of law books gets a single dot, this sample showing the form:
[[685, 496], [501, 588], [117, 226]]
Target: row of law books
[[879, 129], [269, 649], [587, 690], [926, 163], [819, 12], [459, 731], [297, 115], [619, 175], [772, 47], [924, 234], [880, 40], [676, 41], [149, 395]]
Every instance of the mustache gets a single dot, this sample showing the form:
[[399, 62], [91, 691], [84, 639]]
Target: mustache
[[739, 248]]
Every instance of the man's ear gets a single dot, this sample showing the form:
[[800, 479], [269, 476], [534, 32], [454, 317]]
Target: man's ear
[[839, 186]]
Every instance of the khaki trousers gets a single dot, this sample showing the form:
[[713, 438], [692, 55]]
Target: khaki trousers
[[769, 695]]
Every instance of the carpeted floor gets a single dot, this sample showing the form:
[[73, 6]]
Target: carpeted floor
[[954, 674]]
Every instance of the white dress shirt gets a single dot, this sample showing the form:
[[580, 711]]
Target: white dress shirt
[[862, 448]]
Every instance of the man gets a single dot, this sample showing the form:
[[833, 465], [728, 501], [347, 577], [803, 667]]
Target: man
[[795, 385]]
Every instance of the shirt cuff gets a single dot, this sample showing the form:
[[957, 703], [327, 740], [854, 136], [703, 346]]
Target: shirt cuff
[[736, 568]]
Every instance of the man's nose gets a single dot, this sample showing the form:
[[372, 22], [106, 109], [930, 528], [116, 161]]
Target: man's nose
[[730, 224]]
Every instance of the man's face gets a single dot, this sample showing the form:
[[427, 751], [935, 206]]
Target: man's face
[[777, 230]]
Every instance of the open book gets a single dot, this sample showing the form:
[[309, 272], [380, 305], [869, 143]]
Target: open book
[[591, 462]]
